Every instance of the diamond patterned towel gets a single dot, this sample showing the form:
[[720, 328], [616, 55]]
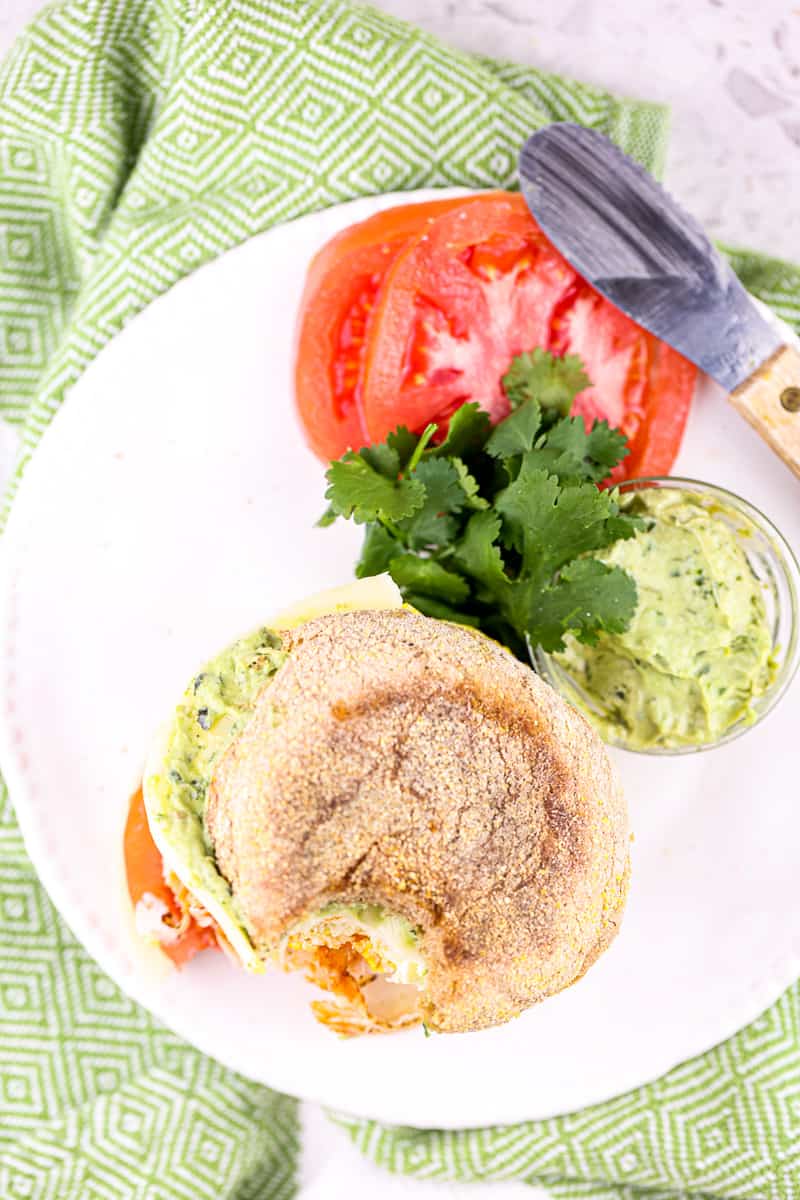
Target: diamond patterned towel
[[138, 139]]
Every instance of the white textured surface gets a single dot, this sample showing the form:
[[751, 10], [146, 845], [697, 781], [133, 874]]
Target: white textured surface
[[730, 72]]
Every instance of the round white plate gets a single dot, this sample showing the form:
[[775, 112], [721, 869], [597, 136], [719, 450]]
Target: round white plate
[[170, 507]]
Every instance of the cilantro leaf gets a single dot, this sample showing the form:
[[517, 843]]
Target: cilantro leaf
[[377, 551], [480, 556], [551, 381], [434, 524], [467, 432], [469, 485], [548, 524], [571, 453], [606, 446], [550, 527], [517, 434], [587, 597], [429, 577], [403, 444], [496, 528], [327, 518], [528, 508], [622, 525], [356, 489], [382, 458], [443, 612]]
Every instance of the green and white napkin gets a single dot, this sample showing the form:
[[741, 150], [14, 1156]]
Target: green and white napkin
[[138, 139]]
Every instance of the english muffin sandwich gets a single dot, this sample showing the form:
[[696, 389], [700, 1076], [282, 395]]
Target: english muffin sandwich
[[394, 806]]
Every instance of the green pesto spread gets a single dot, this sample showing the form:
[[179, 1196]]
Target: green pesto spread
[[214, 709], [699, 648]]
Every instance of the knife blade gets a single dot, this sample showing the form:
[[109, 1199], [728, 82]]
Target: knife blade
[[623, 232]]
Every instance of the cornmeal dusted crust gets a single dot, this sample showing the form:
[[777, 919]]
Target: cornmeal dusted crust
[[416, 764]]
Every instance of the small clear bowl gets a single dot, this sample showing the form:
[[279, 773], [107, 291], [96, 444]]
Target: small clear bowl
[[772, 562]]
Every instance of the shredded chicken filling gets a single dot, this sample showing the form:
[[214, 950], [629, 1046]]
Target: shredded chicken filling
[[370, 982], [359, 972]]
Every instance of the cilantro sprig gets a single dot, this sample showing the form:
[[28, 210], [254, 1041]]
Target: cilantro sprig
[[494, 526]]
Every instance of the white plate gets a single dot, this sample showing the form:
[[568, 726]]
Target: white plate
[[169, 508]]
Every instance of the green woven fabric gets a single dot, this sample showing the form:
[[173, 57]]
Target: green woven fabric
[[138, 139]]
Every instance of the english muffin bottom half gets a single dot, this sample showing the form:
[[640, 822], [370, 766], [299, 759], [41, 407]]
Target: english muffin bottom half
[[398, 808]]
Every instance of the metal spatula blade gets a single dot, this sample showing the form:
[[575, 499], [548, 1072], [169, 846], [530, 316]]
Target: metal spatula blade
[[622, 231]]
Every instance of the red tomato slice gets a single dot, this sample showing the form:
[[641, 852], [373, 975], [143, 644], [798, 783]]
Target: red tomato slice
[[671, 382], [480, 286], [639, 384], [342, 282], [144, 869]]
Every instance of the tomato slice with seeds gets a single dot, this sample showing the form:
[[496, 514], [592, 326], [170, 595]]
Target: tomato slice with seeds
[[657, 440], [144, 869], [411, 313], [341, 286], [639, 384], [478, 288]]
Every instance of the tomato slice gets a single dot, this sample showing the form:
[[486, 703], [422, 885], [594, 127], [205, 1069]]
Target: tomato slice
[[144, 869], [335, 313], [655, 444], [639, 384], [481, 285]]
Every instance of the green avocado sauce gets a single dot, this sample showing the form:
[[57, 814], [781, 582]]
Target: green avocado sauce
[[214, 709], [699, 648]]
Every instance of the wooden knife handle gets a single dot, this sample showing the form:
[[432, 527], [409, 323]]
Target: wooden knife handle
[[770, 401]]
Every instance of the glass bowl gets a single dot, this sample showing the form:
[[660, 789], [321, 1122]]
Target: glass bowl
[[773, 563]]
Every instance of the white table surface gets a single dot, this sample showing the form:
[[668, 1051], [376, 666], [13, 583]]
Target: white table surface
[[730, 71]]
